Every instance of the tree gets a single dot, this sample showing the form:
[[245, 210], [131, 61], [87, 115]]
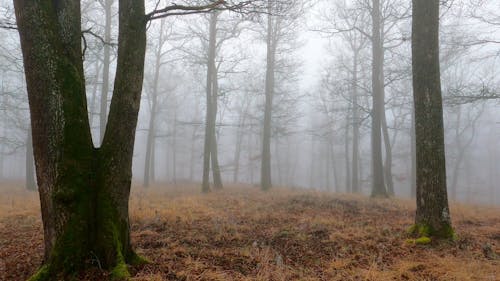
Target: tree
[[432, 215], [281, 17], [84, 190], [210, 147]]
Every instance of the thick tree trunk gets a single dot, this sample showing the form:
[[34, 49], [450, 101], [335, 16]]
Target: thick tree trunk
[[84, 191], [433, 215], [30, 164], [265, 173], [378, 184]]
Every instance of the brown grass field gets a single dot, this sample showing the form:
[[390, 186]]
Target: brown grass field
[[242, 233]]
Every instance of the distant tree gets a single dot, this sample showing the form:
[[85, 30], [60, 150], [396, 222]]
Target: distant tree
[[432, 215], [280, 19]]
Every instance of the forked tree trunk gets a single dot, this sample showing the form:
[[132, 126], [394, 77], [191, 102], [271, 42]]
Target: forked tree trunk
[[378, 184], [84, 191], [433, 215], [210, 114]]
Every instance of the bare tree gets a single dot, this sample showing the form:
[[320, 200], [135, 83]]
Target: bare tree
[[433, 215]]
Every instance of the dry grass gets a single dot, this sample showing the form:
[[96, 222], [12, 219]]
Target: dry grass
[[244, 234]]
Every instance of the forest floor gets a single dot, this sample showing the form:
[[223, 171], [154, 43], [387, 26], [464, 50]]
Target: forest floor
[[241, 233]]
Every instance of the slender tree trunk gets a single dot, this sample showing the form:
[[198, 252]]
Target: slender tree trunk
[[216, 174], [174, 148], [30, 164], [265, 173], [355, 127], [193, 154], [433, 215], [209, 114], [458, 161], [348, 184], [93, 109], [150, 143], [237, 152], [105, 73], [378, 185], [84, 191], [312, 163], [388, 156], [336, 179]]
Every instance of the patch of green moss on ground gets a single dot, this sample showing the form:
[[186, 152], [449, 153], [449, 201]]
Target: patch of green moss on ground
[[42, 274]]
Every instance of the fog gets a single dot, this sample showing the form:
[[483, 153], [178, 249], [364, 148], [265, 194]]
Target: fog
[[323, 62]]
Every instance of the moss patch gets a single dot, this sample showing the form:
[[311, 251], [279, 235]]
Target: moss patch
[[423, 240], [42, 274]]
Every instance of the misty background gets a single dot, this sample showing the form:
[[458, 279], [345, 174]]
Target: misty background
[[323, 64]]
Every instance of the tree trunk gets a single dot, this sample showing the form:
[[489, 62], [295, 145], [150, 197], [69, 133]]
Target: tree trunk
[[216, 174], [30, 164], [84, 191], [433, 215], [237, 152], [150, 143], [205, 187], [348, 184], [388, 156], [355, 127], [105, 71], [265, 173], [174, 147], [93, 101], [378, 185]]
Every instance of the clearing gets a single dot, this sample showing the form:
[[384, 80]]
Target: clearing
[[242, 233]]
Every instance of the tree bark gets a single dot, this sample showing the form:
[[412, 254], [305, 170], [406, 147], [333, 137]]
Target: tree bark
[[30, 164], [432, 215], [413, 158], [84, 191]]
